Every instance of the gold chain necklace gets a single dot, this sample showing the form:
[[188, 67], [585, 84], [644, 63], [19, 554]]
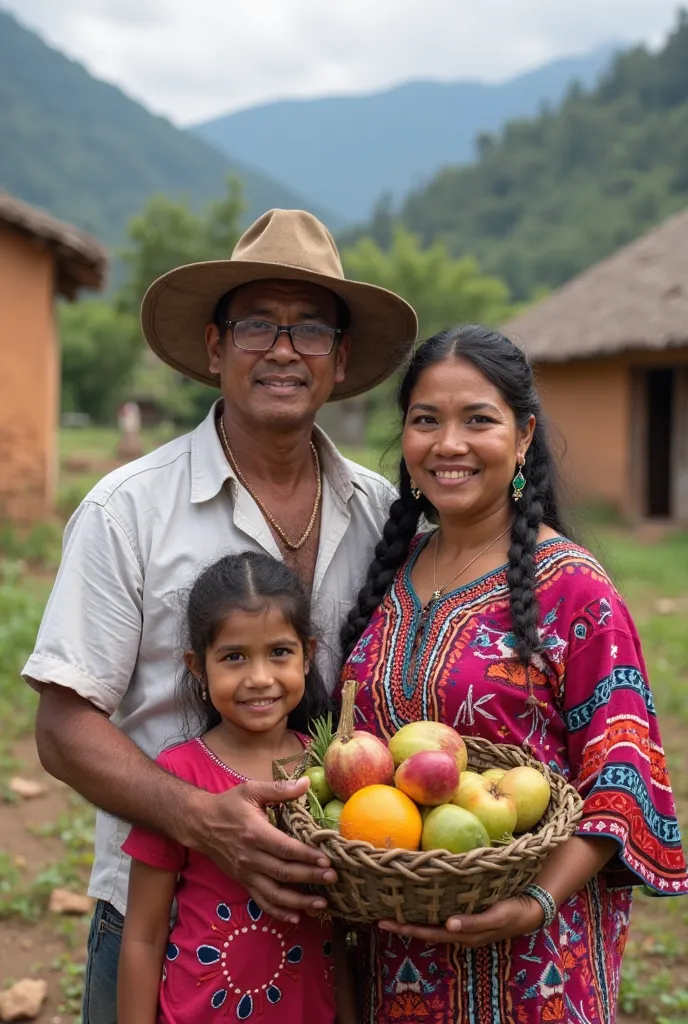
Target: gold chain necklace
[[292, 545], [438, 591]]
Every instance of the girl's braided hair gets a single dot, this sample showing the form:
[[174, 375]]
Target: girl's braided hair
[[506, 368]]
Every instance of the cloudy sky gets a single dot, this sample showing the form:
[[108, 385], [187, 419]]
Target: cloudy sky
[[195, 59]]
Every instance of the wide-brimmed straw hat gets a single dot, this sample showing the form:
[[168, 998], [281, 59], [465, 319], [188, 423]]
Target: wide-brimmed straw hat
[[288, 245]]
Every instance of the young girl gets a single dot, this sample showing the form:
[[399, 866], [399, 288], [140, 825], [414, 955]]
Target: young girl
[[250, 679]]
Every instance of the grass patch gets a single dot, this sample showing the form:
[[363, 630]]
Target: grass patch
[[27, 898], [644, 570], [100, 443], [21, 607], [74, 829], [39, 546], [72, 989]]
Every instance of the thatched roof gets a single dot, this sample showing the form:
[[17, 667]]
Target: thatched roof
[[81, 262], [636, 299]]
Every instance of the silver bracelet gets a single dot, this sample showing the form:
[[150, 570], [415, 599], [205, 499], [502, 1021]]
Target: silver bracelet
[[546, 901]]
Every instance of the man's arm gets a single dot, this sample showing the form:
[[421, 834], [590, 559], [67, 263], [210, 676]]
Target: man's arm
[[79, 745]]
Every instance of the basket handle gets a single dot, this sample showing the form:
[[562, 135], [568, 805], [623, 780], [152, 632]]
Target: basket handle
[[345, 729], [279, 766]]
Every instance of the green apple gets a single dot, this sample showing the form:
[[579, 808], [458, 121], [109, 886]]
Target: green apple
[[319, 784], [494, 774], [453, 828], [332, 812]]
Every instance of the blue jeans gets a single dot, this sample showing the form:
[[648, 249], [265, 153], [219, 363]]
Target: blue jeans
[[100, 982]]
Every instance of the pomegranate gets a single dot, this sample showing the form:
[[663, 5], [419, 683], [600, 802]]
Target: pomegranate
[[357, 761]]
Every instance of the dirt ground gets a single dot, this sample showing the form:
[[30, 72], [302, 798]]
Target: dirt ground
[[52, 947]]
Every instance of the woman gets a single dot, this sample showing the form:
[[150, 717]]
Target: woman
[[499, 625]]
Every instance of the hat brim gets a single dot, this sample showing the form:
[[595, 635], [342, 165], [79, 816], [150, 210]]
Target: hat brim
[[177, 307]]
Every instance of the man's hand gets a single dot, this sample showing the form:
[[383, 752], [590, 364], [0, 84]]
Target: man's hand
[[519, 915], [232, 829], [80, 746]]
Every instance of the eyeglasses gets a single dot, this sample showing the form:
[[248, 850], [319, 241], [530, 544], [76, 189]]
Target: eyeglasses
[[261, 335]]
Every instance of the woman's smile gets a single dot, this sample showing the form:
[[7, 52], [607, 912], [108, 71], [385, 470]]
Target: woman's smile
[[452, 477]]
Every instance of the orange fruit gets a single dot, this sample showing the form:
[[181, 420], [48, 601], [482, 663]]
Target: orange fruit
[[382, 816]]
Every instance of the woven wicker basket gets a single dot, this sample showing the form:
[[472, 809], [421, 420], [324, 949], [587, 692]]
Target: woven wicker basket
[[427, 887]]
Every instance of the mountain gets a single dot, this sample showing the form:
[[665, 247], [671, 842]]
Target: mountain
[[549, 196], [86, 152], [346, 151]]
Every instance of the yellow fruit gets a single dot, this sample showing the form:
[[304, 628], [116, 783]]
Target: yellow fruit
[[531, 794], [382, 816]]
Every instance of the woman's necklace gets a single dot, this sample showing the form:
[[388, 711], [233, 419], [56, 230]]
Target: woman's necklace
[[292, 545], [438, 591], [437, 594]]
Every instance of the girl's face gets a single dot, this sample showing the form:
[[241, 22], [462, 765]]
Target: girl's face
[[461, 441], [256, 669]]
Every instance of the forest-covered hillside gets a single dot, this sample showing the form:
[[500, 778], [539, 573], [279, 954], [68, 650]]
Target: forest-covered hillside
[[551, 195], [86, 152]]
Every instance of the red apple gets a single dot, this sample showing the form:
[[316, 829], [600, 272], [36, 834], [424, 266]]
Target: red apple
[[417, 736], [362, 760], [430, 777]]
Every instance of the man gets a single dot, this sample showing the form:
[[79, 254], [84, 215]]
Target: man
[[284, 333]]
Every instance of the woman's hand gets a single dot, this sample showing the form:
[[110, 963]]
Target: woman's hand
[[519, 915]]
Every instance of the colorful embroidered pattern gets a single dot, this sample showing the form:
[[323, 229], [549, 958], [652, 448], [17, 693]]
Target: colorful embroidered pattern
[[592, 719]]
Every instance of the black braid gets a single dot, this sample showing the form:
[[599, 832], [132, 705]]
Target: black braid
[[521, 572], [390, 553], [537, 506]]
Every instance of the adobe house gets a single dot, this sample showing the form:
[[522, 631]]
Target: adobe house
[[610, 351], [40, 258]]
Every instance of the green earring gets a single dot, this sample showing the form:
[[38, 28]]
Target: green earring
[[519, 482]]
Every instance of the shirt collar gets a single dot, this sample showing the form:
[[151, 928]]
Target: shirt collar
[[209, 465], [210, 468]]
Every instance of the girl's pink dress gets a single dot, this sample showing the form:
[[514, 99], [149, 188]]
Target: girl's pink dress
[[584, 708], [226, 959]]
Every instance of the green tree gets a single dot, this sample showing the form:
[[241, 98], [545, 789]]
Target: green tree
[[100, 352], [168, 234], [548, 196], [105, 360], [443, 291]]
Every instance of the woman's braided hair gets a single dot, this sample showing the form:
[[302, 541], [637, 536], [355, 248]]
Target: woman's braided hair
[[506, 368]]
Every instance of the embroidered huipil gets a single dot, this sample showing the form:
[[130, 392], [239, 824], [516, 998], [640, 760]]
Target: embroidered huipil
[[591, 717]]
